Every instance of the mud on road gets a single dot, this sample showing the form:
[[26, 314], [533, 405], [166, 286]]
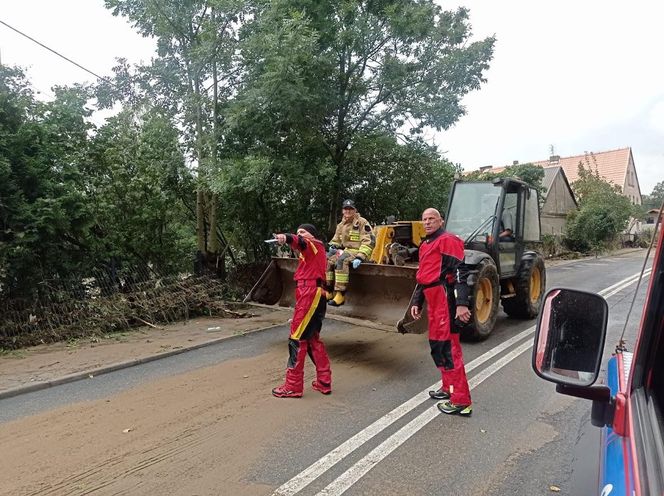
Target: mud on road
[[203, 432]]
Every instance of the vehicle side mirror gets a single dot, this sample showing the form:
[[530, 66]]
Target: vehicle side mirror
[[569, 341]]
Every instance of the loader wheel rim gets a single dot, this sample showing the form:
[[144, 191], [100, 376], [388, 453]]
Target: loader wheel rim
[[535, 284], [484, 300]]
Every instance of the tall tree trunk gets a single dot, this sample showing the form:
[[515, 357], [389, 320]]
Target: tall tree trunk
[[335, 194], [200, 220], [214, 246], [201, 196]]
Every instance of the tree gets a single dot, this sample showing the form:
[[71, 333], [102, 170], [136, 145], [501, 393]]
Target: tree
[[74, 198], [44, 214], [528, 173], [265, 196], [137, 168], [322, 76], [193, 77], [398, 180], [656, 198], [603, 212]]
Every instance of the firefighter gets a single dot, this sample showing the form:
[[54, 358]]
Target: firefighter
[[308, 315], [352, 244], [438, 276]]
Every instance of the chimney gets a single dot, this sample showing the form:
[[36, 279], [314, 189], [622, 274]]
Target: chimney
[[554, 159]]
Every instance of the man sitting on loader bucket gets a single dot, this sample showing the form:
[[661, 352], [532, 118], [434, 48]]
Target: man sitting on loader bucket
[[352, 244]]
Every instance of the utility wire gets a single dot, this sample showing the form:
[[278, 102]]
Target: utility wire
[[56, 53]]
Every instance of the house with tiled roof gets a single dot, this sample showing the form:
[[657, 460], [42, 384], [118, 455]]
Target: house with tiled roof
[[614, 166]]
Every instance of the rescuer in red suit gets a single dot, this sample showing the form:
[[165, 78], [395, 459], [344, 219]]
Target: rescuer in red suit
[[310, 306], [441, 254]]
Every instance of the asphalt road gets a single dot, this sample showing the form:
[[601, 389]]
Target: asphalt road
[[386, 437]]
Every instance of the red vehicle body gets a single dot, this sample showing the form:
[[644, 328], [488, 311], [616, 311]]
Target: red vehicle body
[[630, 408]]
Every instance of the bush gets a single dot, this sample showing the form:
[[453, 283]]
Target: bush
[[550, 245], [603, 213], [644, 238]]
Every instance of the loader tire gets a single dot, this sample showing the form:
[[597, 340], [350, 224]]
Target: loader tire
[[485, 298], [529, 285]]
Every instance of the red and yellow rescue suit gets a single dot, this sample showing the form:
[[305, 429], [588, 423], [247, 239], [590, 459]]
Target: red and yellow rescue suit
[[310, 306], [439, 273]]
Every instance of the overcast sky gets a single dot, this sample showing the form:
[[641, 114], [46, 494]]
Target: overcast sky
[[576, 75]]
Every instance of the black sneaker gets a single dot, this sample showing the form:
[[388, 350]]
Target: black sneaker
[[452, 409], [439, 395]]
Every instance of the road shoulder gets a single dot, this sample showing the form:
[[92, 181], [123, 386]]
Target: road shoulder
[[47, 365]]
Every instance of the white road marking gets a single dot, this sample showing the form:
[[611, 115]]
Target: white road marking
[[308, 475], [342, 483], [613, 290], [311, 473]]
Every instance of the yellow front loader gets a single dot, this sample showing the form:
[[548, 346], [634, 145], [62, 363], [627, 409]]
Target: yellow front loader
[[499, 222], [379, 289]]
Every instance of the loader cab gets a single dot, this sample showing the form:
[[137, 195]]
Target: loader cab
[[518, 210], [497, 218]]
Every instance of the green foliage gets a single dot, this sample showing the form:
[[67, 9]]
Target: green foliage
[[196, 41], [645, 237], [138, 170], [528, 173], [72, 199], [386, 178], [278, 100], [254, 116], [192, 80], [324, 76], [656, 198], [44, 215], [262, 196], [603, 213], [550, 245], [592, 227]]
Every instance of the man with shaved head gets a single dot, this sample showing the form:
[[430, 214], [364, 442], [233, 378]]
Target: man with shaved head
[[441, 255]]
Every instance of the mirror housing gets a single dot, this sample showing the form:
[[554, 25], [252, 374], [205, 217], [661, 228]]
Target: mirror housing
[[569, 340]]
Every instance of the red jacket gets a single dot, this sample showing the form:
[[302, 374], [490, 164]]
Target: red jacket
[[313, 259], [441, 255]]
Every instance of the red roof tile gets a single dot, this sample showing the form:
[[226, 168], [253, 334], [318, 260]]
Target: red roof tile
[[611, 165]]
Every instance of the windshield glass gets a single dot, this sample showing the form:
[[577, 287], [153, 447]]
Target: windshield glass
[[473, 206]]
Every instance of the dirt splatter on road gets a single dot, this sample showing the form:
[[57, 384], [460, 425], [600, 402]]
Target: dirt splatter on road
[[203, 432]]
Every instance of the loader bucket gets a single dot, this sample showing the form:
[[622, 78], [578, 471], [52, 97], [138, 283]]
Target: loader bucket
[[376, 292]]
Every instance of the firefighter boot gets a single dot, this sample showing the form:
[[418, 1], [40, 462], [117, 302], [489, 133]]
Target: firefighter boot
[[338, 299]]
